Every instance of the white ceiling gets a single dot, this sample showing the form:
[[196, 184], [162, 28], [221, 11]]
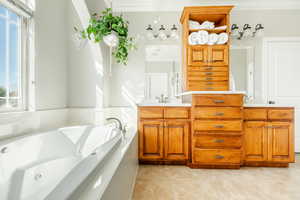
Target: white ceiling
[[177, 5]]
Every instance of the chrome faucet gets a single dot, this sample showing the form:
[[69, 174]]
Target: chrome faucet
[[118, 122], [162, 98]]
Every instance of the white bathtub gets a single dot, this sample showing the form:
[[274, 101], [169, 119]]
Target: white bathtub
[[52, 165]]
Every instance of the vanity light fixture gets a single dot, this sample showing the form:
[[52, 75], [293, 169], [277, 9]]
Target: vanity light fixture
[[162, 33], [246, 32]]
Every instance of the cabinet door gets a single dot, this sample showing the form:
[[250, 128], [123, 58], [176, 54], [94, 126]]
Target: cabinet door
[[176, 136], [256, 141], [218, 55], [281, 142], [197, 55], [151, 140]]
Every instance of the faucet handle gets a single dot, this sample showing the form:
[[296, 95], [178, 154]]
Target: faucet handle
[[158, 98], [165, 99]]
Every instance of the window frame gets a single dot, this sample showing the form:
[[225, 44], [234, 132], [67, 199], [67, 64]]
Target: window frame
[[23, 64]]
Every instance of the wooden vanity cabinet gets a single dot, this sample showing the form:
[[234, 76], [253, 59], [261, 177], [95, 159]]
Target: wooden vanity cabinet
[[269, 136], [217, 131], [164, 139]]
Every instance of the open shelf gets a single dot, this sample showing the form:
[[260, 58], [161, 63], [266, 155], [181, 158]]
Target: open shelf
[[209, 30]]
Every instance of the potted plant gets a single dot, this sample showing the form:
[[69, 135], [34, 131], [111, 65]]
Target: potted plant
[[113, 30]]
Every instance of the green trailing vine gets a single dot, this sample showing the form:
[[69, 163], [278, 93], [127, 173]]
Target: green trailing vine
[[103, 25]]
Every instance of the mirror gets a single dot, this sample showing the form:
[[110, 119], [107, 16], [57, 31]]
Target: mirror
[[242, 70], [162, 72]]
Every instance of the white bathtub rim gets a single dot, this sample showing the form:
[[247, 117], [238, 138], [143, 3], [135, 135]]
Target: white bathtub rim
[[123, 148], [67, 185]]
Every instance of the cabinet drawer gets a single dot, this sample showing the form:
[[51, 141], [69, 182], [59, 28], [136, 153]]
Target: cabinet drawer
[[217, 125], [279, 114], [210, 83], [200, 73], [176, 113], [208, 69], [208, 156], [151, 112], [222, 141], [255, 114], [218, 100], [209, 88], [217, 112], [207, 78]]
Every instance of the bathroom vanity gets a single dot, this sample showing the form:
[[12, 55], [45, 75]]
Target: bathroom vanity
[[216, 131], [214, 128]]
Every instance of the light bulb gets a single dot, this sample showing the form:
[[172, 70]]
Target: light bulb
[[259, 33], [235, 33], [161, 33]]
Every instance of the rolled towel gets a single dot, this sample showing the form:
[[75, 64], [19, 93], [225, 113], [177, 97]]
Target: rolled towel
[[221, 27], [193, 38], [202, 37], [208, 25], [212, 39], [194, 24], [223, 38]]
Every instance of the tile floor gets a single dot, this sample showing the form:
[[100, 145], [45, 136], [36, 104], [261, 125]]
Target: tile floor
[[156, 182]]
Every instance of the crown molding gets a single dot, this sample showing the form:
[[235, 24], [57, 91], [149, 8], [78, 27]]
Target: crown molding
[[177, 5]]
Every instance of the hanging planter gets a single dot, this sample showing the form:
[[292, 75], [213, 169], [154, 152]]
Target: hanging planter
[[113, 31]]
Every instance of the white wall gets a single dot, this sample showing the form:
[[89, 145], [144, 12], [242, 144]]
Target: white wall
[[87, 75], [276, 23], [51, 54]]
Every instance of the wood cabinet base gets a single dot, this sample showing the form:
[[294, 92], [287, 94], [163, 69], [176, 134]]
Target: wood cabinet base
[[208, 166], [265, 164]]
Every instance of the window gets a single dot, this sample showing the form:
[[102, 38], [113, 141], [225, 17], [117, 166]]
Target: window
[[11, 60]]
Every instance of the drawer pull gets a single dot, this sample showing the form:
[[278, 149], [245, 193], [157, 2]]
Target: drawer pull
[[219, 141], [209, 73], [219, 126], [219, 157], [209, 68], [209, 83], [219, 101], [209, 79], [219, 114], [210, 88]]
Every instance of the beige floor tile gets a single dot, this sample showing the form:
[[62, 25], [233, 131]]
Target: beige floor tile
[[157, 182]]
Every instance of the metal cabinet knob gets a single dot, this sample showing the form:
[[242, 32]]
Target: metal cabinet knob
[[219, 141], [219, 101], [219, 126], [219, 156], [219, 114]]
